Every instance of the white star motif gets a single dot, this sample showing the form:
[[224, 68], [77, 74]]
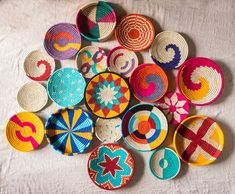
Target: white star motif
[[106, 94]]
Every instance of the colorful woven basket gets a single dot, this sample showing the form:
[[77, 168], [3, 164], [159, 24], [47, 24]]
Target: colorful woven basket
[[32, 97], [108, 130], [25, 131], [135, 32], [69, 131], [66, 87], [62, 41], [107, 95], [96, 21], [169, 50], [200, 80], [110, 166], [175, 107], [38, 66], [144, 127], [198, 140], [164, 164], [148, 82], [122, 61], [91, 60]]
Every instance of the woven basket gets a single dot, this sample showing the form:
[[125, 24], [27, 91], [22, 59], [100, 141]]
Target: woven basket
[[110, 166], [62, 41], [96, 21], [107, 95], [135, 32], [66, 87], [164, 164], [38, 66], [69, 131], [198, 140], [144, 127], [108, 130], [122, 61], [148, 82], [169, 50], [25, 131], [200, 80], [91, 60], [175, 107], [32, 97]]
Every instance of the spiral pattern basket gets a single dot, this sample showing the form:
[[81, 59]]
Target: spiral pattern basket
[[69, 131], [122, 61], [96, 21], [108, 130], [38, 66], [200, 80], [66, 87], [110, 166], [32, 97], [169, 50], [164, 164], [62, 41], [91, 60], [175, 107], [144, 127], [25, 131], [148, 82], [135, 32], [198, 140]]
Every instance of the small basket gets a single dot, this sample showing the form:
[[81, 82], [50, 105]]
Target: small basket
[[91, 60], [110, 166], [122, 61], [32, 97], [164, 164], [149, 82], [169, 50], [135, 32], [62, 41], [144, 127], [96, 21], [66, 87], [38, 66], [69, 131], [175, 107], [200, 80], [25, 131], [198, 140]]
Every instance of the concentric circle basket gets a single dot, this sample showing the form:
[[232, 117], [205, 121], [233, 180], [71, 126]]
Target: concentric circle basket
[[110, 166], [198, 140], [148, 82], [69, 131], [25, 131], [96, 21], [122, 61], [135, 32], [38, 66], [32, 97], [169, 50], [164, 164], [91, 60], [62, 41]]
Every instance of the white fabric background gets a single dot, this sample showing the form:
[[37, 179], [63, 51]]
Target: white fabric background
[[209, 28]]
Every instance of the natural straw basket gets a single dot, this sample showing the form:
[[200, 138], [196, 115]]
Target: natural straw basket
[[32, 97], [198, 140], [135, 32], [38, 65], [169, 50], [96, 21], [122, 61], [200, 80]]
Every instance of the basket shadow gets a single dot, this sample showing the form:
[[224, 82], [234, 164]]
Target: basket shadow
[[120, 12]]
